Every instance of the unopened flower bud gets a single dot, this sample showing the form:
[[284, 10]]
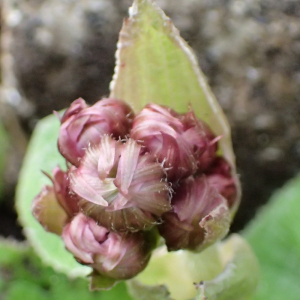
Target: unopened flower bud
[[117, 256], [172, 138], [56, 204], [200, 216], [83, 126], [48, 212], [219, 176], [75, 107], [66, 198], [202, 139], [120, 188]]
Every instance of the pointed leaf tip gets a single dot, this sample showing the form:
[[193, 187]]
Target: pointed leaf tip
[[154, 64]]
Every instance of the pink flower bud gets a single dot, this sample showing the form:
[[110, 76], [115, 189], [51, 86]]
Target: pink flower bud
[[83, 126], [199, 218], [54, 206], [202, 139], [120, 188], [48, 212], [117, 256], [66, 198], [75, 107], [219, 176], [176, 140]]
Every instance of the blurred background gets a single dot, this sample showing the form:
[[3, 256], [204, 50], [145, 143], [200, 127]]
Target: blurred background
[[54, 51]]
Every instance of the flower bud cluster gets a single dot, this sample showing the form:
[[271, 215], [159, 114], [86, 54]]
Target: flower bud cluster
[[129, 174]]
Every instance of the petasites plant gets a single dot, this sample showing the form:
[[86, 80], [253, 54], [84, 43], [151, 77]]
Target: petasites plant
[[149, 171]]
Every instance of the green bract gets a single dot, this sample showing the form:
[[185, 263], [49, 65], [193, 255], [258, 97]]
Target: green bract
[[230, 269]]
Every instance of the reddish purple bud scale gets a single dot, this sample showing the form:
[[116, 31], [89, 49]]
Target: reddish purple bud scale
[[219, 176], [194, 203]]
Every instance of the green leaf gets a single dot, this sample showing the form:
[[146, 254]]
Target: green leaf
[[42, 154], [275, 238], [22, 273], [227, 271], [154, 64]]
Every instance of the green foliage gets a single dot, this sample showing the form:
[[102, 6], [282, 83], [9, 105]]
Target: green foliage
[[275, 238], [22, 274]]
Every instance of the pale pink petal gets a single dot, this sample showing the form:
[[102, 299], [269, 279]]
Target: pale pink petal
[[147, 172], [106, 156], [83, 256], [115, 251], [127, 165], [76, 106], [100, 233], [90, 188], [89, 163]]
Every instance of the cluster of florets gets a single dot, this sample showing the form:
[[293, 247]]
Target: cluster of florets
[[128, 174]]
